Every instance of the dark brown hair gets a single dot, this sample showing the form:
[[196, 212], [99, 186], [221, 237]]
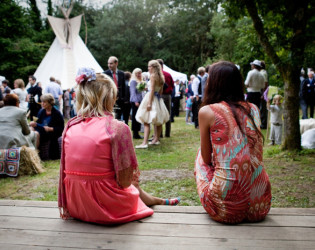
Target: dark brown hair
[[225, 83], [11, 100], [127, 75]]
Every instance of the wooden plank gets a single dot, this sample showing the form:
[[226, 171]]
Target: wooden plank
[[28, 203], [171, 218], [162, 209], [17, 246], [103, 241], [159, 229], [174, 209], [200, 209]]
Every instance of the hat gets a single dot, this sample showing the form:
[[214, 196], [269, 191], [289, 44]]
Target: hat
[[256, 62]]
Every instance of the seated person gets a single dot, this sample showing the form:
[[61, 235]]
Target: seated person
[[99, 170], [50, 125], [232, 183], [14, 130]]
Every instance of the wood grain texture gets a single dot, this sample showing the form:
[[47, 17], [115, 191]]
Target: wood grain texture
[[36, 225]]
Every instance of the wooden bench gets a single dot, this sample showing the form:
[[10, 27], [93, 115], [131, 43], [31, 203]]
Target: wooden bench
[[36, 225]]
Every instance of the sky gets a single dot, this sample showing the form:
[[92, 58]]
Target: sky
[[42, 4]]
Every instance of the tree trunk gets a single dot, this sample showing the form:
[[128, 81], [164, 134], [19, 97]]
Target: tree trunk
[[289, 70], [292, 136]]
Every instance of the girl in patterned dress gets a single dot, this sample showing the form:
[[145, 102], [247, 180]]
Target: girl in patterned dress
[[232, 183], [99, 174]]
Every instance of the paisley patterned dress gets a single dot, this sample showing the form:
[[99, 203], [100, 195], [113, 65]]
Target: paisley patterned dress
[[235, 187]]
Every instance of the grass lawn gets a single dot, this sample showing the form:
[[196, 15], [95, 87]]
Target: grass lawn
[[167, 171]]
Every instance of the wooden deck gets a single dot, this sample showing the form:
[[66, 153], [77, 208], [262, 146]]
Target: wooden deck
[[36, 225]]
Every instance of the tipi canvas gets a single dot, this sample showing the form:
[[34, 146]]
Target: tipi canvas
[[67, 53]]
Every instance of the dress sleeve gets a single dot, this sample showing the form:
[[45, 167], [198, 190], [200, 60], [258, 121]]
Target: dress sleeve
[[123, 152]]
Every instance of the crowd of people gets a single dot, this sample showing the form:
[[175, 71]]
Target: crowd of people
[[99, 170], [44, 110]]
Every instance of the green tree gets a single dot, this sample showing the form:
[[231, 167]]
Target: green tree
[[126, 29], [283, 28], [35, 15], [22, 48], [183, 41], [237, 41]]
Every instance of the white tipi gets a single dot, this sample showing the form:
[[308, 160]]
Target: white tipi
[[67, 53]]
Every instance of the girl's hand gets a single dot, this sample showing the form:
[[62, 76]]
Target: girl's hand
[[149, 108]]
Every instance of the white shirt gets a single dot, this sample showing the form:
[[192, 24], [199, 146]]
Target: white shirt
[[177, 90], [255, 81], [22, 94], [276, 114], [195, 86]]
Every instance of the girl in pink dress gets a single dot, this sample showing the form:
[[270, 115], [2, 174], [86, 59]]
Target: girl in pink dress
[[232, 183], [99, 171]]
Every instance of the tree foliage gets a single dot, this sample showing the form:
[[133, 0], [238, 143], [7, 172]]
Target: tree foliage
[[283, 29]]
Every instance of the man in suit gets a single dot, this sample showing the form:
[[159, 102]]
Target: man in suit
[[118, 77], [167, 97], [34, 94], [308, 93]]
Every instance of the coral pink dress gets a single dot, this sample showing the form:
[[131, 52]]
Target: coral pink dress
[[235, 187], [95, 151]]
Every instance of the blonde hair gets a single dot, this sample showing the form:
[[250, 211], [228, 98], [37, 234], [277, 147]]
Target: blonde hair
[[133, 75], [157, 74], [277, 97], [48, 98], [201, 70], [96, 97], [20, 83]]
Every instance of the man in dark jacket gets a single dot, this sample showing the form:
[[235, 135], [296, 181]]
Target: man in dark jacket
[[34, 94], [308, 92], [118, 77], [167, 96]]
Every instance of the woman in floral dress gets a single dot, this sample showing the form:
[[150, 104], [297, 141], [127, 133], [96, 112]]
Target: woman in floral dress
[[232, 183]]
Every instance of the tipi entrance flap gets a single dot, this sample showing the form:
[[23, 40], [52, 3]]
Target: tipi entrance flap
[[66, 30], [67, 53]]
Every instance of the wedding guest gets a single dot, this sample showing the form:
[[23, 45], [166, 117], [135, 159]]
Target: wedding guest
[[99, 174], [135, 100], [66, 104], [276, 113], [152, 109], [50, 124], [232, 183], [127, 104], [14, 130], [19, 90], [118, 77], [308, 93], [167, 96], [6, 88], [34, 94]]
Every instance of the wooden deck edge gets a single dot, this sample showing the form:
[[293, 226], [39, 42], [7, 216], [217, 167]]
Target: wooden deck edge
[[161, 209]]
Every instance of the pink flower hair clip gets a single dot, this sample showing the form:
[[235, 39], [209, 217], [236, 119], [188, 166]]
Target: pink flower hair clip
[[85, 74]]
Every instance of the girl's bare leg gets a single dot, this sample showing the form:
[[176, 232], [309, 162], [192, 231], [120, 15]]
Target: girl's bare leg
[[150, 200], [157, 133], [146, 134]]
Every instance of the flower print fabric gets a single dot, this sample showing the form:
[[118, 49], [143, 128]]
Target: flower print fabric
[[235, 187]]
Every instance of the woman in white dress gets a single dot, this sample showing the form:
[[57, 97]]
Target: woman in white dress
[[20, 91], [152, 108]]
